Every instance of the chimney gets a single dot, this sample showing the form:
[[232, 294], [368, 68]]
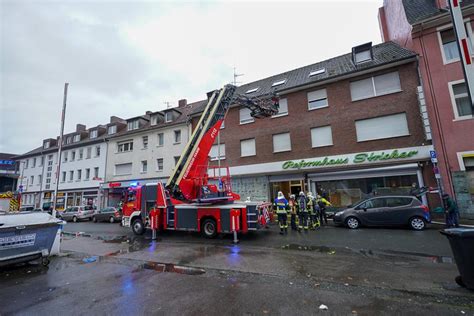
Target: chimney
[[148, 112], [182, 103], [442, 4], [115, 119], [80, 127]]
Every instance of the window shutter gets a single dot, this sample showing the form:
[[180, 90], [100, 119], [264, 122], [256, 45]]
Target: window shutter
[[281, 142], [125, 168], [387, 83], [362, 89], [382, 127], [247, 147], [321, 136]]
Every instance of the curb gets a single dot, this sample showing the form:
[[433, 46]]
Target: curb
[[460, 225]]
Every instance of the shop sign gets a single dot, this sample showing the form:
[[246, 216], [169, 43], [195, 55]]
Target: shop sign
[[351, 159]]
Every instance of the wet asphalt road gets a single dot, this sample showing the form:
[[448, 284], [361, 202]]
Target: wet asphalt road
[[396, 240], [362, 272]]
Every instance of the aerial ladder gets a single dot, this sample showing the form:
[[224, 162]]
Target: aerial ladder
[[198, 196]]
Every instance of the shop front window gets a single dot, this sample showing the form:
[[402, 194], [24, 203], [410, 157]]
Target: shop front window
[[343, 193]]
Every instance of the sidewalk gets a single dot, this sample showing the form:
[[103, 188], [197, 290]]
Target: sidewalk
[[463, 222]]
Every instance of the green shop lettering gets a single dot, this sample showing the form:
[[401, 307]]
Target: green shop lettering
[[358, 158]]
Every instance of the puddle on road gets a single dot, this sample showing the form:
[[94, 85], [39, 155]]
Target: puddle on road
[[407, 256], [322, 249], [169, 267]]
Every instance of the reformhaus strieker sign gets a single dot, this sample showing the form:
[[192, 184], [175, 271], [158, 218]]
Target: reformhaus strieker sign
[[356, 159]]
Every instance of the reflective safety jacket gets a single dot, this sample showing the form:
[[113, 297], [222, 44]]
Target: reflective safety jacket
[[310, 205], [292, 205], [323, 202], [281, 205]]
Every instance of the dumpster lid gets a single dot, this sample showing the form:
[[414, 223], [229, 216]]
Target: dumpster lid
[[458, 232]]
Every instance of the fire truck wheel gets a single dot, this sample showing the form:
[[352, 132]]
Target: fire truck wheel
[[209, 228], [138, 227]]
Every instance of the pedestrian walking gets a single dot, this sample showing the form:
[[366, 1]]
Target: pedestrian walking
[[293, 211], [451, 211], [322, 203], [303, 212], [281, 207]]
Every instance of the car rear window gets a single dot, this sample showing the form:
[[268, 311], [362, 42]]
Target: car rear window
[[398, 201]]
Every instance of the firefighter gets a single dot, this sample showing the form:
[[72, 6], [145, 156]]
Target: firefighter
[[303, 216], [322, 203], [314, 211], [293, 207], [281, 206]]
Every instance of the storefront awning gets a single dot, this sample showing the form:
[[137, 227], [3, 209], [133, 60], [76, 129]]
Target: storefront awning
[[286, 177], [399, 170]]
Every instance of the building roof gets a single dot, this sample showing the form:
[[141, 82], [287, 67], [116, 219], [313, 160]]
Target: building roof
[[419, 10], [383, 54], [6, 156]]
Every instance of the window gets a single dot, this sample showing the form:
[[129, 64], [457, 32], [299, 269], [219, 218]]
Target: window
[[96, 173], [46, 145], [125, 146], [278, 83], [81, 154], [65, 156], [177, 136], [79, 174], [27, 162], [247, 147], [71, 175], [112, 129], [77, 138], [144, 166], [94, 133], [217, 152], [132, 125], [73, 155], [154, 120], [317, 99], [461, 104], [69, 140], [34, 163], [362, 56], [281, 142], [375, 86], [41, 161], [398, 201], [97, 151], [245, 116], [88, 173], [161, 139], [321, 136], [168, 117], [145, 142], [382, 127], [176, 160], [40, 177], [63, 179], [252, 90], [449, 43], [89, 152], [159, 164], [317, 72], [123, 169], [373, 203], [223, 125], [32, 179], [282, 108]]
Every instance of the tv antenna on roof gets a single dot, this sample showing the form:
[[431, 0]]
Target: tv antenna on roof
[[235, 82], [168, 104]]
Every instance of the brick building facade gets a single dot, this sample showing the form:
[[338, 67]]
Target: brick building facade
[[347, 127]]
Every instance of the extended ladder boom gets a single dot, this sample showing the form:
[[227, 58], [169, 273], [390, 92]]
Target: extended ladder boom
[[192, 163]]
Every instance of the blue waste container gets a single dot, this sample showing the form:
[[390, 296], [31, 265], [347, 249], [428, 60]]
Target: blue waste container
[[462, 245]]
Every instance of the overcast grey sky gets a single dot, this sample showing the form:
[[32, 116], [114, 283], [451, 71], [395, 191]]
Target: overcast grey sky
[[126, 57]]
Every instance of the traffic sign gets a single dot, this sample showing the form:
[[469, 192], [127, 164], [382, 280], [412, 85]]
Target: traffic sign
[[434, 158]]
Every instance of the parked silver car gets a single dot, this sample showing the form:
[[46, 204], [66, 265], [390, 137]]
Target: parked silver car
[[76, 213]]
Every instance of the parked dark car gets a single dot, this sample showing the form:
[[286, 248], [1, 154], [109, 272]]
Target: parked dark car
[[76, 213], [109, 214], [385, 211]]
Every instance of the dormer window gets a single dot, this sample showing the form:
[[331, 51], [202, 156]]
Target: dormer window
[[278, 83], [112, 129], [317, 72], [168, 117], [252, 90], [362, 53], [94, 134], [77, 138], [154, 120], [69, 140], [132, 125], [46, 145]]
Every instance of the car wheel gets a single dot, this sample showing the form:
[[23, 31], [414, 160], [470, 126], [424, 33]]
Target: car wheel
[[74, 219], [90, 218], [111, 219], [209, 228], [352, 222], [94, 219], [417, 223], [138, 227]]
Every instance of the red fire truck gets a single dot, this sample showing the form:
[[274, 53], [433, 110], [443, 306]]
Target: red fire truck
[[198, 196]]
